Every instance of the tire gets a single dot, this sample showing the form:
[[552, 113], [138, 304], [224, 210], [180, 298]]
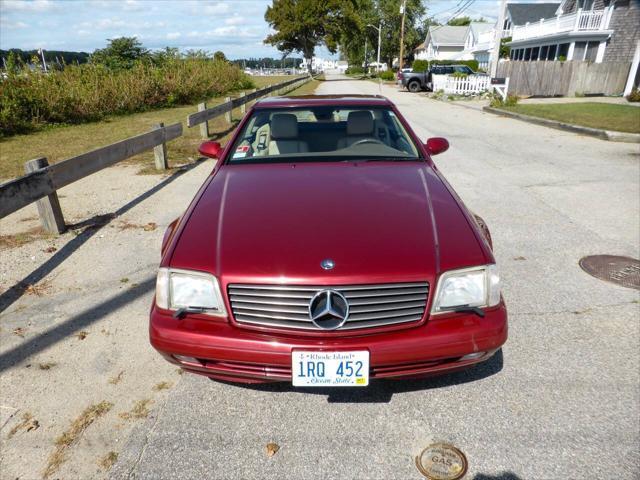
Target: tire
[[414, 86]]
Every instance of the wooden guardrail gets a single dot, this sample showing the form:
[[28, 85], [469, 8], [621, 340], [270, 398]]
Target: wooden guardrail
[[204, 114], [42, 180]]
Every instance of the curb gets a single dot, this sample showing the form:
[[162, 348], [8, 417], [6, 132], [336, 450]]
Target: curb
[[609, 135]]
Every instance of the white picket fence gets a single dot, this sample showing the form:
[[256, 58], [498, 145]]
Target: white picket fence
[[461, 85]]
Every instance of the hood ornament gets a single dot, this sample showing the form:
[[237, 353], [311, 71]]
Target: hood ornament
[[327, 264]]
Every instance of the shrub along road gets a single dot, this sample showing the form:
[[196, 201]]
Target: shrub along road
[[561, 402]]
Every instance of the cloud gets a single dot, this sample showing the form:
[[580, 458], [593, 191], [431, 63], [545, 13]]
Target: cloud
[[173, 35], [4, 23], [26, 5], [235, 20], [217, 8]]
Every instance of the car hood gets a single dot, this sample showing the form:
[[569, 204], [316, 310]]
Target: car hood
[[378, 222]]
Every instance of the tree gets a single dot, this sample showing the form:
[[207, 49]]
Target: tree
[[219, 56], [122, 52], [504, 48], [302, 25], [459, 22]]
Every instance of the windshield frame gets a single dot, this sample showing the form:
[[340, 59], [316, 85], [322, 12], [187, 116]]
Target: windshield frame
[[328, 156]]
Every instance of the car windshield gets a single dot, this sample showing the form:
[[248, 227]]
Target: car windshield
[[326, 133]]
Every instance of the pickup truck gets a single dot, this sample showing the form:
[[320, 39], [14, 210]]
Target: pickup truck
[[417, 81]]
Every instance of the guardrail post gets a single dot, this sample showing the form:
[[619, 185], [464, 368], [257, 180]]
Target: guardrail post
[[227, 116], [49, 209], [243, 107], [204, 126], [160, 151]]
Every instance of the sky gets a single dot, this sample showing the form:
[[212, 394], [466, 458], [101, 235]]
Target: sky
[[237, 27]]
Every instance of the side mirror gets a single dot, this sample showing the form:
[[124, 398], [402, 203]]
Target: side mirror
[[436, 145], [210, 149]]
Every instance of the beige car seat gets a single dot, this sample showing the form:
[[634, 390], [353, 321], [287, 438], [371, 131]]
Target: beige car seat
[[284, 135], [359, 127]]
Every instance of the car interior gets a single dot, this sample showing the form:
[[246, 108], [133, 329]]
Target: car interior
[[323, 130]]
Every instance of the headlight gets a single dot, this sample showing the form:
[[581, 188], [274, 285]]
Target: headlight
[[176, 289], [468, 287]]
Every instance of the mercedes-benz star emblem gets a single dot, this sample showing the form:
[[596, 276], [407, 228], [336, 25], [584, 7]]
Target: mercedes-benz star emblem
[[328, 309], [327, 264]]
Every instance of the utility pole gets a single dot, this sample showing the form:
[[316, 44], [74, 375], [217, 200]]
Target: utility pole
[[498, 39], [365, 55], [403, 10]]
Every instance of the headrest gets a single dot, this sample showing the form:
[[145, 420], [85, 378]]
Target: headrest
[[360, 123], [284, 125]]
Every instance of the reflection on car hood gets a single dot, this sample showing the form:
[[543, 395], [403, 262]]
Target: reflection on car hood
[[378, 221]]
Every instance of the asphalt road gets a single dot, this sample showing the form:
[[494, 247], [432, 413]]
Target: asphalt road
[[563, 399]]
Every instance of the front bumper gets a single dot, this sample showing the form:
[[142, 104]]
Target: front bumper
[[220, 350]]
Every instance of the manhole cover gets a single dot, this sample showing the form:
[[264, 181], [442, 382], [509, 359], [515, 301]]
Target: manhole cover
[[441, 461], [624, 271]]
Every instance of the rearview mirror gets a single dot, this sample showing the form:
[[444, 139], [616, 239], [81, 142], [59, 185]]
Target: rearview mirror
[[436, 145], [210, 149]]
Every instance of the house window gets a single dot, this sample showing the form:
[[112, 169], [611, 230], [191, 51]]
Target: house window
[[592, 51], [543, 52], [579, 50], [585, 4], [527, 54], [552, 52], [534, 53], [563, 50]]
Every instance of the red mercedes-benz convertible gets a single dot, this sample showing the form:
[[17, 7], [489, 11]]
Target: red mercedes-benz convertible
[[326, 249]]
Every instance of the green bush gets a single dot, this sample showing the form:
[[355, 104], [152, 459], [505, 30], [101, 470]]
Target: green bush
[[387, 75], [355, 69], [634, 96], [420, 66], [473, 64], [459, 75], [84, 93], [497, 102]]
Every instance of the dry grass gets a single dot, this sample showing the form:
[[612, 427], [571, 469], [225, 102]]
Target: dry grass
[[47, 365], [162, 386], [72, 434], [27, 424], [64, 142], [19, 331], [81, 335], [39, 289], [22, 238], [139, 410], [116, 380], [108, 460]]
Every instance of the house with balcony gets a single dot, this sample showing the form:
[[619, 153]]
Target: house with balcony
[[588, 30]]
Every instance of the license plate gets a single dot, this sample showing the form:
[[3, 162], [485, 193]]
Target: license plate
[[330, 369]]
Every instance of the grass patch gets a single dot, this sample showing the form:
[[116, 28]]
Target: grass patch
[[27, 424], [162, 386], [139, 410], [108, 460], [116, 380], [607, 116], [72, 434], [62, 142], [22, 238]]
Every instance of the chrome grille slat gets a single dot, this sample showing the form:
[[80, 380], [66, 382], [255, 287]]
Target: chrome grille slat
[[284, 306]]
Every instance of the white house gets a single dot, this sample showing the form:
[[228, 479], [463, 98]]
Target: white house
[[319, 64], [443, 42], [592, 30]]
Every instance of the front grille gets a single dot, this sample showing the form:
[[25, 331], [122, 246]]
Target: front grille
[[288, 306]]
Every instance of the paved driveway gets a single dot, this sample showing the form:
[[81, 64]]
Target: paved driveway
[[562, 401]]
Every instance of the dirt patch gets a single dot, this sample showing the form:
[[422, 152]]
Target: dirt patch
[[47, 365], [73, 433], [127, 225], [39, 289]]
